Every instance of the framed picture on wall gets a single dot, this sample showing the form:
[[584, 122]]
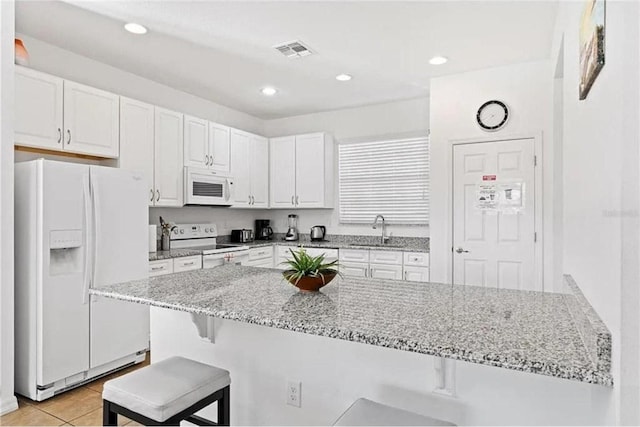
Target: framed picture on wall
[[591, 44]]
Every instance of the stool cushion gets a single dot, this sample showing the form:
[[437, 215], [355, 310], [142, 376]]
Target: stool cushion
[[163, 389], [365, 412]]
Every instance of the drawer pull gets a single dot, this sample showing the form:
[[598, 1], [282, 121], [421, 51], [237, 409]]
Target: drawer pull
[[188, 263], [157, 268]]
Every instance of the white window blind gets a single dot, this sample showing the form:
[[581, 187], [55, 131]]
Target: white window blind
[[390, 178]]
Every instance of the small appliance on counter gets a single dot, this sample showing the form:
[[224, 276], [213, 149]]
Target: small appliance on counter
[[292, 231], [318, 232], [242, 236], [263, 229]]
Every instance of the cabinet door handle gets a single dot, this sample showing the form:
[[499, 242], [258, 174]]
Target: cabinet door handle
[[206, 160], [69, 134], [158, 193], [297, 200], [292, 200], [59, 135], [210, 160], [151, 190], [405, 275]]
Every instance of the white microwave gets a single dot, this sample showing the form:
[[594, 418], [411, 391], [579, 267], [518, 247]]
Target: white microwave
[[205, 187]]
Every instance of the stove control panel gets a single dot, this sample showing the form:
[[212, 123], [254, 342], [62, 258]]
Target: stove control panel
[[193, 231]]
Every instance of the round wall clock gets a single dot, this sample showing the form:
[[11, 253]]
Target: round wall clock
[[492, 115]]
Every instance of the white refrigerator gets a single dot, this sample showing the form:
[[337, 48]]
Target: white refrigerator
[[76, 226]]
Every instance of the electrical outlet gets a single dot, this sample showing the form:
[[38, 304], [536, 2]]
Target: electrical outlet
[[294, 393]]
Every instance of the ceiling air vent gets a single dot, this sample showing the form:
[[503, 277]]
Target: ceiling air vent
[[294, 49]]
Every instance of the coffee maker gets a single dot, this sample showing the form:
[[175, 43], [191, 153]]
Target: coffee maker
[[263, 230], [292, 231]]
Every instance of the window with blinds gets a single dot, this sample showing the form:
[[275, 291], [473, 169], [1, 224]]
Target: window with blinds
[[390, 178]]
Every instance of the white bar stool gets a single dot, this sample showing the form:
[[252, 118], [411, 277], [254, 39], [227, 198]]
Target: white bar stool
[[365, 412], [166, 393]]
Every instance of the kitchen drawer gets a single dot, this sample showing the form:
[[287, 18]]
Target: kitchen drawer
[[187, 263], [353, 269], [418, 259], [386, 257], [416, 274], [329, 254], [160, 267], [265, 252], [283, 251], [264, 263], [385, 271], [354, 255]]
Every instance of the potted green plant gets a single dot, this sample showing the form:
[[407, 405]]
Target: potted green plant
[[309, 273]]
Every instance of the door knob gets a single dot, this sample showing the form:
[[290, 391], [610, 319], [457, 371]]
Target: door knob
[[461, 251]]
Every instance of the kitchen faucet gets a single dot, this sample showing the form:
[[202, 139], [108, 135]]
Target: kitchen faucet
[[383, 238]]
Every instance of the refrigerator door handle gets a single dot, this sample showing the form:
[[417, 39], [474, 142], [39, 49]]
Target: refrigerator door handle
[[87, 240], [96, 232]]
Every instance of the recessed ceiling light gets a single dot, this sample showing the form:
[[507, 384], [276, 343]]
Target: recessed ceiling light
[[134, 28], [269, 91], [438, 60], [343, 77]]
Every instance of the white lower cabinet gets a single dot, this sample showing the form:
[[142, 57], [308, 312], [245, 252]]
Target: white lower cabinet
[[160, 267], [354, 269], [187, 263], [260, 257], [385, 271], [416, 274]]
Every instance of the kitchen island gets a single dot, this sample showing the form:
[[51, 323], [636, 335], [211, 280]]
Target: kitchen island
[[522, 330], [342, 344]]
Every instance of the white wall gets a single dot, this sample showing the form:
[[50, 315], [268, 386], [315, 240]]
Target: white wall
[[527, 89], [8, 401], [373, 122], [601, 187]]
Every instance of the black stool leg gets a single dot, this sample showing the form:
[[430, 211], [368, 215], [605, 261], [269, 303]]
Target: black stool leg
[[109, 418], [224, 407]]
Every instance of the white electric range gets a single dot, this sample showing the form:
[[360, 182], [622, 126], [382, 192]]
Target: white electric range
[[203, 237]]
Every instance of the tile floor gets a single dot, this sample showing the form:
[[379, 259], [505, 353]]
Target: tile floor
[[79, 407]]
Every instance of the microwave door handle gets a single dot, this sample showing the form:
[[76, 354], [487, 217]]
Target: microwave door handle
[[228, 192]]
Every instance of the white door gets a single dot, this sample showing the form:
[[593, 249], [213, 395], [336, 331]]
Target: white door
[[494, 247], [259, 172], [62, 294], [38, 109], [196, 142], [168, 164], [282, 172], [91, 121], [120, 253], [220, 148], [240, 168], [385, 271], [136, 141], [310, 171]]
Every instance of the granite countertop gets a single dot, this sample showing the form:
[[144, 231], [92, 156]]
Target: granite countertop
[[340, 245], [173, 253], [521, 330]]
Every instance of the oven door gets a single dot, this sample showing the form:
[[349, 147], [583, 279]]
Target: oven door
[[204, 187]]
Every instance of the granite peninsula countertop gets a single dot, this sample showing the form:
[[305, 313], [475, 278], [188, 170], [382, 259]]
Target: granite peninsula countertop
[[521, 330], [173, 253]]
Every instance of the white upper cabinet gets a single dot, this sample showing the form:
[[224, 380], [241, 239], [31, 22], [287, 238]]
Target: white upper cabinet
[[168, 161], [38, 109], [91, 121], [196, 142], [57, 114], [302, 171], [220, 148], [259, 171], [137, 141], [249, 170]]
